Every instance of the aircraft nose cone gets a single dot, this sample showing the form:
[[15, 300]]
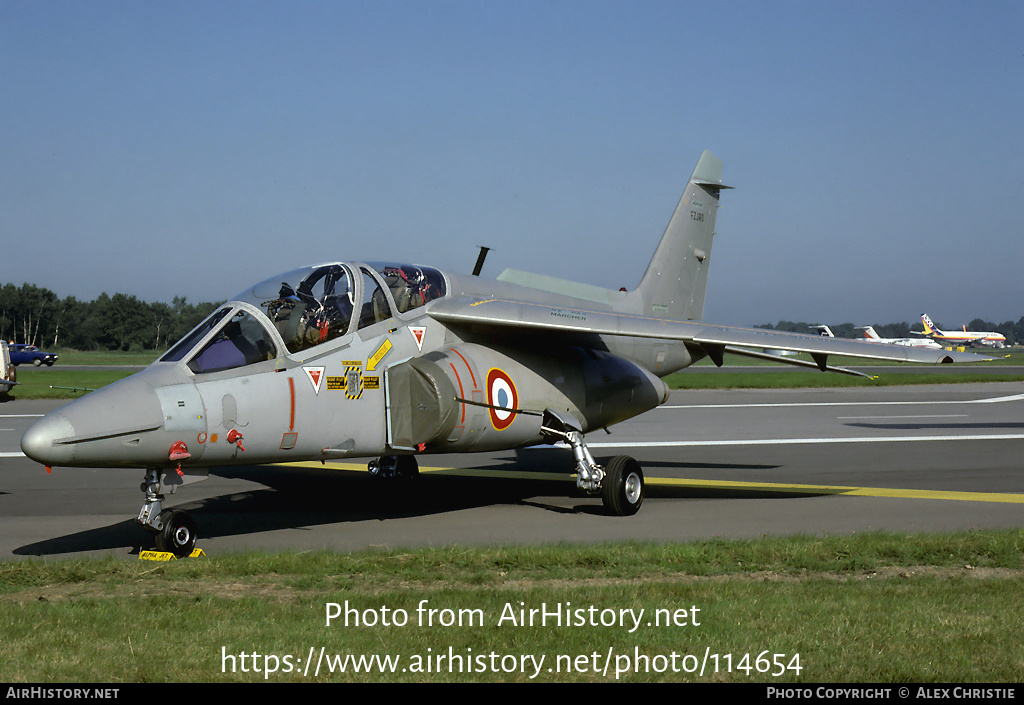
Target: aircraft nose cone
[[119, 425], [38, 441]]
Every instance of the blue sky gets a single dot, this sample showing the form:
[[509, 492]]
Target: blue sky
[[194, 148]]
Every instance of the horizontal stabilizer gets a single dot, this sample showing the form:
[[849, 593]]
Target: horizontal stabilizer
[[576, 290]]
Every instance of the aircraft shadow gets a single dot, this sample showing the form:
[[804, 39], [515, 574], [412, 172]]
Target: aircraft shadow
[[122, 535], [298, 498], [541, 459]]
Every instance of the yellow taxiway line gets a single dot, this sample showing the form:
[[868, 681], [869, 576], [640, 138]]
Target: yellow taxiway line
[[704, 484]]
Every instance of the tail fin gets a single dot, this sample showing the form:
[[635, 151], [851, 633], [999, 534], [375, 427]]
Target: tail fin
[[929, 327], [677, 277], [869, 332]]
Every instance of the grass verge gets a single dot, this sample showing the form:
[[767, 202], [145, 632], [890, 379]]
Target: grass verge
[[59, 383], [797, 380], [861, 608]]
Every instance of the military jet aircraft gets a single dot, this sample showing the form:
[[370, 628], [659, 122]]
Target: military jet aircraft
[[391, 361]]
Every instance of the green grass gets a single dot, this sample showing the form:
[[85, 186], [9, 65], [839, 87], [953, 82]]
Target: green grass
[[62, 384], [57, 383], [69, 356], [860, 608], [801, 379]]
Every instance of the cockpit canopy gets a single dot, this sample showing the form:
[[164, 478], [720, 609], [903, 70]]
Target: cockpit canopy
[[307, 307]]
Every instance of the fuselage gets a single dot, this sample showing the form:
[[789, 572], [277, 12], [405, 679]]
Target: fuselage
[[969, 338], [343, 360]]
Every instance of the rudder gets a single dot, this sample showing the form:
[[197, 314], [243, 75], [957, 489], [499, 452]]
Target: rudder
[[676, 279]]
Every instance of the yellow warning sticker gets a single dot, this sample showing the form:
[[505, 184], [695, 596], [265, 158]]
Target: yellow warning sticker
[[375, 359]]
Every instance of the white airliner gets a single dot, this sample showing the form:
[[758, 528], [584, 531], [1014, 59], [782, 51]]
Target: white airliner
[[872, 336], [964, 337]]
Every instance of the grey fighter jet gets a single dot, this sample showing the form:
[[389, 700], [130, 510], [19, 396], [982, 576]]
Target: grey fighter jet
[[391, 361]]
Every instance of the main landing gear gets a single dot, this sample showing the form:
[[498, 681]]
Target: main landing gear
[[404, 468], [620, 484]]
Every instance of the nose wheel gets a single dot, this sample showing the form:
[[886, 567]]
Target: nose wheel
[[178, 535]]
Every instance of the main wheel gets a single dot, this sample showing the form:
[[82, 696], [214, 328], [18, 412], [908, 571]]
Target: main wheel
[[622, 489], [178, 535], [395, 467], [407, 468]]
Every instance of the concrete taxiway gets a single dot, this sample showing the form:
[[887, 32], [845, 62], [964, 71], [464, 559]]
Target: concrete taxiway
[[718, 464]]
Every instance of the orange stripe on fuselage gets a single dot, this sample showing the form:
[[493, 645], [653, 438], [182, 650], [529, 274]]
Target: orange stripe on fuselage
[[462, 395], [471, 375]]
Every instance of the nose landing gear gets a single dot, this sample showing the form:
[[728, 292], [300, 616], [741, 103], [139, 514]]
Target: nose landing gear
[[174, 531]]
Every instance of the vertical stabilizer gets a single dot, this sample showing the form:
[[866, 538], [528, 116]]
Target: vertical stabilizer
[[929, 327], [677, 277]]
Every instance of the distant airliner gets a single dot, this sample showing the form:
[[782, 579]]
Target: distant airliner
[[872, 336], [965, 337]]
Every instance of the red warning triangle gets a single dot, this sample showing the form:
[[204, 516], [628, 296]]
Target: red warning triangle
[[418, 332], [316, 375]]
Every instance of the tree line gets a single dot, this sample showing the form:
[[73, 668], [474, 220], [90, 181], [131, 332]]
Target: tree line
[[35, 315], [1014, 332]]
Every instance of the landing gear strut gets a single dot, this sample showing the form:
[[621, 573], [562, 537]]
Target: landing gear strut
[[621, 484]]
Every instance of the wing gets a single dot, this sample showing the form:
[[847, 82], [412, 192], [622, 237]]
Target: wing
[[713, 340]]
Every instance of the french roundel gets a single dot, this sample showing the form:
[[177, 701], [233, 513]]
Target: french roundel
[[502, 397]]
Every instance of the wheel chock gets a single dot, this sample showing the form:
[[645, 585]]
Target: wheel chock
[[166, 555]]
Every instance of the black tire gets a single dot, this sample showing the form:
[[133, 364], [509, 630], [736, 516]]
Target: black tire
[[622, 489], [37, 362], [404, 468], [178, 535], [407, 468]]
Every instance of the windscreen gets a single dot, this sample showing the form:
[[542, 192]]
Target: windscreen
[[240, 341], [183, 346]]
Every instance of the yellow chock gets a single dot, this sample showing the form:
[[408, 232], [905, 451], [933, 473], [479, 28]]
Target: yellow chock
[[166, 556]]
